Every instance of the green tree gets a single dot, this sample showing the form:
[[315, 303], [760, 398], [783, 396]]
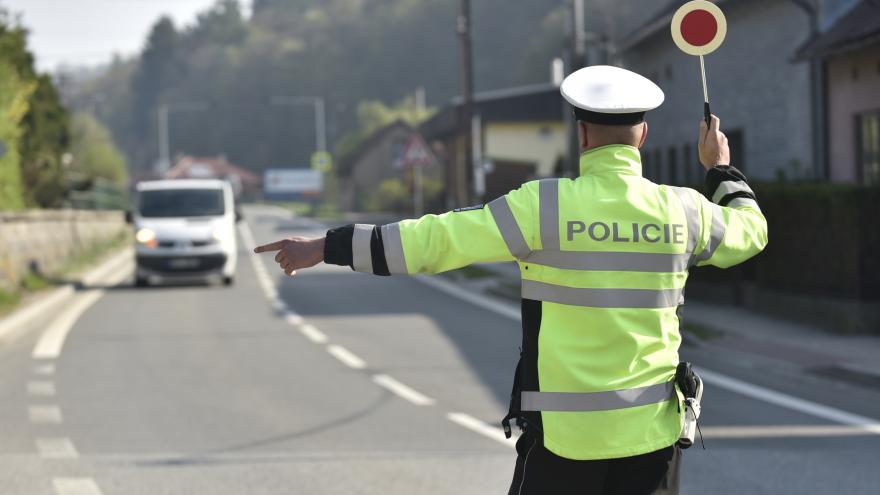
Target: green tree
[[45, 138], [14, 95], [37, 137], [156, 70], [94, 154]]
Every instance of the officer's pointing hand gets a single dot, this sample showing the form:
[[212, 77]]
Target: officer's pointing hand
[[713, 144], [295, 253]]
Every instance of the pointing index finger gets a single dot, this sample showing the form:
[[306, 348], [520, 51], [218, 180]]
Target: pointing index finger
[[272, 246]]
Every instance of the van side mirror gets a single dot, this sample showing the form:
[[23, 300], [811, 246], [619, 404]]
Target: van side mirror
[[238, 214], [129, 217]]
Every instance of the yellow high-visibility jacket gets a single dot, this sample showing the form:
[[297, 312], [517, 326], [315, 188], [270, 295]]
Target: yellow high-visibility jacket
[[604, 259]]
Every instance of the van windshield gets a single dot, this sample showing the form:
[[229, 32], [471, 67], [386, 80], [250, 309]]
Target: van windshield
[[169, 203]]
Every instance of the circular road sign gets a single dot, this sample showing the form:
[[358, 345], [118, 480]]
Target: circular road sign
[[699, 27]]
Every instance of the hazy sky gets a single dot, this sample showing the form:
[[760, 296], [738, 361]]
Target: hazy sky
[[86, 32]]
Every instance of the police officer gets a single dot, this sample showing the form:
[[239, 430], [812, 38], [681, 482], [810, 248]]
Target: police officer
[[604, 258]]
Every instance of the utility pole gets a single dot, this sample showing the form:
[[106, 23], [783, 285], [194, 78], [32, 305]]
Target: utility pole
[[320, 114], [164, 153], [164, 111], [577, 58], [465, 171]]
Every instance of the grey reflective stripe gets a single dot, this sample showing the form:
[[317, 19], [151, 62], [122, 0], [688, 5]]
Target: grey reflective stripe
[[508, 227], [693, 219], [717, 234], [601, 298], [739, 202], [394, 249], [611, 261], [548, 207], [597, 401], [730, 186], [362, 258]]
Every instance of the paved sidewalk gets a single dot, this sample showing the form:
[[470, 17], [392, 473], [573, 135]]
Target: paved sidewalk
[[851, 358]]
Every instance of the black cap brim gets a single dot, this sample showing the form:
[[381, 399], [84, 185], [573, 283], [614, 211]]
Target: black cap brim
[[609, 118]]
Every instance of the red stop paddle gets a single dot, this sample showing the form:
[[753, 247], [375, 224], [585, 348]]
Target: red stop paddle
[[699, 28]]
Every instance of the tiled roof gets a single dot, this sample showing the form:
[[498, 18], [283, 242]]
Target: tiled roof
[[860, 27]]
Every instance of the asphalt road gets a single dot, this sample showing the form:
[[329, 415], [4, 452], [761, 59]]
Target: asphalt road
[[334, 382]]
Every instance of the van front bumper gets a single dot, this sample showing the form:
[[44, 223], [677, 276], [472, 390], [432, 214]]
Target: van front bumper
[[182, 264]]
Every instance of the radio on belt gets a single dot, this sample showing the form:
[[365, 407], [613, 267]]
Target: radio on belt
[[691, 387]]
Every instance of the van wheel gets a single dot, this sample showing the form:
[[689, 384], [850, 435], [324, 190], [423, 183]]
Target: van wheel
[[228, 280], [141, 281]]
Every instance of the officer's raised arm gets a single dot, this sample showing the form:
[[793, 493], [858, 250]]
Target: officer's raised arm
[[734, 229], [497, 231]]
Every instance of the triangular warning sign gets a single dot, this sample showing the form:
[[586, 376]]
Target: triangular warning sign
[[416, 153]]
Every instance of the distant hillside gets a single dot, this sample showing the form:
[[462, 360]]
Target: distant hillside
[[345, 50]]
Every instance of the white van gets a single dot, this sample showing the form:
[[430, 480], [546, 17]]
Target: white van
[[184, 228]]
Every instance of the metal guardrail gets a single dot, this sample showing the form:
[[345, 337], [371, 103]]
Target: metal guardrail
[[104, 195]]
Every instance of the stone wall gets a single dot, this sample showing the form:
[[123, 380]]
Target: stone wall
[[49, 238]]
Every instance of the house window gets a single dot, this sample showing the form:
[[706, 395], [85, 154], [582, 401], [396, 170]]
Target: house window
[[673, 165], [868, 149]]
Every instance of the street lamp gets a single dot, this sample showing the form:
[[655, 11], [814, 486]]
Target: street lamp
[[165, 110], [320, 117]]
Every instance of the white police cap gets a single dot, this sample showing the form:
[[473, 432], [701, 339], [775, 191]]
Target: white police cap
[[608, 95]]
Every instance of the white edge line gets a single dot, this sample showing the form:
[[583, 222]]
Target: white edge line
[[346, 356], [10, 324], [718, 379], [789, 401], [783, 431], [472, 297], [477, 426], [52, 340], [403, 391]]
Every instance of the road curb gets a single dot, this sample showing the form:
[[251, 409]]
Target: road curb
[[16, 322]]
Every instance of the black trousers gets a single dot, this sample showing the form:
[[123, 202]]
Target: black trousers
[[541, 472]]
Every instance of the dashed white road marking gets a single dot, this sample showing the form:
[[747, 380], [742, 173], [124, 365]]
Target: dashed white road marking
[[313, 334], [403, 391], [44, 369], [790, 402], [293, 319], [477, 426], [263, 278], [346, 356], [76, 486], [784, 431], [45, 414], [41, 388], [56, 448], [279, 306]]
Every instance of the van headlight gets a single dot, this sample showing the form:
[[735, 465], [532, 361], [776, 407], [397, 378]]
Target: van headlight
[[147, 237], [217, 234]]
